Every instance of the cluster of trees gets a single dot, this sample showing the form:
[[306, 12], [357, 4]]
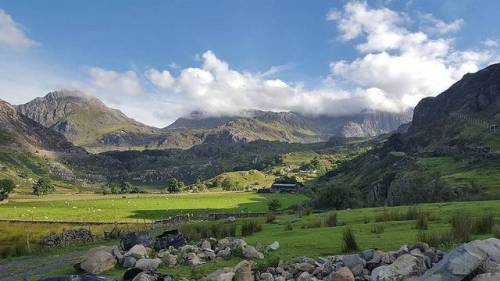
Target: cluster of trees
[[121, 187], [6, 187], [43, 186], [174, 185]]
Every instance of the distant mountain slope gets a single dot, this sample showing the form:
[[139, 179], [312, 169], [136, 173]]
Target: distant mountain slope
[[450, 151], [20, 132], [88, 122], [83, 119]]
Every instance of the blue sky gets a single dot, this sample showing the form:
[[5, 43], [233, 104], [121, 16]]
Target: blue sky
[[284, 55]]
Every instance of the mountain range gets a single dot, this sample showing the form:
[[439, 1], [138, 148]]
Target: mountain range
[[88, 122]]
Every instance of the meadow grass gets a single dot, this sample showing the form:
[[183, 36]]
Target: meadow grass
[[140, 209], [322, 241]]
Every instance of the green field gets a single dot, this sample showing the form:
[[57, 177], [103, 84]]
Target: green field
[[320, 241], [139, 209]]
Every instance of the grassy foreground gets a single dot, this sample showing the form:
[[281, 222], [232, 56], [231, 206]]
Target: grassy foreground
[[139, 209], [305, 238]]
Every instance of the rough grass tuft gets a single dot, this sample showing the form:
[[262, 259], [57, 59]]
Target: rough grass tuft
[[349, 241]]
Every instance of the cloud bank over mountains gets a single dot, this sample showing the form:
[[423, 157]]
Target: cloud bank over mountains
[[399, 61]]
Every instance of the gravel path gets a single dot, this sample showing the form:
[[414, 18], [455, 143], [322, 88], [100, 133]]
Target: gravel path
[[23, 268]]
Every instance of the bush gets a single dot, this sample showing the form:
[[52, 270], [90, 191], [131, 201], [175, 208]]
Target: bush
[[461, 228], [43, 186], [316, 223], [331, 219], [349, 241], [274, 205], [250, 227], [435, 239], [496, 232], [270, 219], [201, 231], [6, 187], [366, 220], [484, 224], [289, 227], [174, 185], [422, 221], [377, 228]]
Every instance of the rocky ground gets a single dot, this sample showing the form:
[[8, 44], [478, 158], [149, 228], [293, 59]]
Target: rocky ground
[[477, 261]]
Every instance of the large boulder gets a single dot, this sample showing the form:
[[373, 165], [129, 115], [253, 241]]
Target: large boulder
[[250, 252], [138, 251], [342, 274], [243, 271], [97, 261], [224, 274], [487, 277], [464, 260], [404, 267], [148, 264]]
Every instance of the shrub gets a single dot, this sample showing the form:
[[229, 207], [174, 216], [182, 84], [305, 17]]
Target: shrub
[[377, 228], [316, 223], [289, 227], [331, 219], [389, 215], [201, 231], [422, 221], [349, 241], [174, 185], [250, 227], [496, 232], [484, 224], [274, 205], [435, 239], [6, 187], [42, 186], [270, 219], [366, 220], [461, 228]]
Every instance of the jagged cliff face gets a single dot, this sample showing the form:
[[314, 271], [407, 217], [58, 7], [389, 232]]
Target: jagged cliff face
[[20, 132], [83, 119]]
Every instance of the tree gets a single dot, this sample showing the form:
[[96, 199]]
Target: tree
[[43, 186], [274, 205], [125, 187], [174, 185], [6, 187]]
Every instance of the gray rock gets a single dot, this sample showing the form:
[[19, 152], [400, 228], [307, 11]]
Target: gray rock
[[354, 262], [367, 255], [138, 252], [224, 253], [243, 271], [193, 259], [487, 277], [129, 262], [148, 264], [266, 276], [224, 274], [205, 244], [143, 276], [305, 267], [250, 252], [273, 246], [403, 268], [304, 276], [464, 259], [97, 261], [342, 274]]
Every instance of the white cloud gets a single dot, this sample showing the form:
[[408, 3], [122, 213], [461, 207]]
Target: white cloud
[[397, 66], [432, 24], [11, 33], [490, 43], [162, 79], [122, 83]]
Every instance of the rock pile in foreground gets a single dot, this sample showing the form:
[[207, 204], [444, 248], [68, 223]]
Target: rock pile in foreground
[[476, 260]]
